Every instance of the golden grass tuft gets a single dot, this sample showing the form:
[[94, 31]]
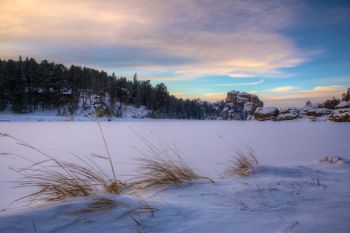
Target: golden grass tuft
[[56, 180], [243, 164], [161, 172], [163, 165]]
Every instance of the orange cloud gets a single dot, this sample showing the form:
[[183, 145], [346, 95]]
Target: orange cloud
[[214, 96], [283, 89], [299, 97], [240, 84]]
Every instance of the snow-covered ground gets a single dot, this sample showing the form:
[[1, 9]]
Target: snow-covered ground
[[291, 192], [130, 112]]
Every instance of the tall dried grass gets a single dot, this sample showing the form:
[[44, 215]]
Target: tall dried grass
[[242, 164], [163, 165], [57, 180]]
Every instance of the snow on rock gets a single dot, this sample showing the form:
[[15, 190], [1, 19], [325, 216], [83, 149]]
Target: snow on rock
[[331, 159], [249, 107], [266, 113], [340, 115], [286, 117], [288, 114], [317, 112], [343, 104]]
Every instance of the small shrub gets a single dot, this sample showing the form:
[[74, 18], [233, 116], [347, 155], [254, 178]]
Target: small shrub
[[308, 104], [316, 181], [243, 164], [331, 103]]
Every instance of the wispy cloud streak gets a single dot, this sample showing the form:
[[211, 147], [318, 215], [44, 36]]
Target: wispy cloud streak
[[240, 84]]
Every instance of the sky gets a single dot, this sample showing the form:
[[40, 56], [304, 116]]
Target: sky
[[286, 52]]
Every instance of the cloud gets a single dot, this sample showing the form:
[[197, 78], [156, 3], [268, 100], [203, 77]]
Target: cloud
[[240, 84], [179, 94], [283, 89], [209, 96], [299, 97], [241, 75], [184, 95], [165, 77], [196, 38], [214, 96]]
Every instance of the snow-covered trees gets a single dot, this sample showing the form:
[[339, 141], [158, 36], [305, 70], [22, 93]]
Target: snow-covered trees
[[28, 86]]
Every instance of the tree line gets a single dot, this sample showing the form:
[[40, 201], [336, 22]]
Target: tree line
[[28, 86]]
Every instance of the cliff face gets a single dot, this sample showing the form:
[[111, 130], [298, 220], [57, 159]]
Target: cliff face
[[239, 106]]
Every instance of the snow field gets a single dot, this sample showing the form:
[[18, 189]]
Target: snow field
[[291, 191]]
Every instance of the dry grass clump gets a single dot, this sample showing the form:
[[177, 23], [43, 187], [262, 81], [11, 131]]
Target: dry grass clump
[[243, 164], [163, 165], [161, 172], [314, 180], [56, 180]]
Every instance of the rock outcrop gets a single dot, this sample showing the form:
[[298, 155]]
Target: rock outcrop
[[238, 106], [245, 106], [266, 113]]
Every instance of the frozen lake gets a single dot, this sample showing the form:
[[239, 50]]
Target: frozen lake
[[206, 145]]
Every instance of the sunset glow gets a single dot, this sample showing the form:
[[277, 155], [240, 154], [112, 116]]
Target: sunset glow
[[282, 50]]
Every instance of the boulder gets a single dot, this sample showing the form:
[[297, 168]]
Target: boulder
[[343, 104], [331, 159], [340, 115], [266, 113], [317, 112], [286, 117], [288, 114]]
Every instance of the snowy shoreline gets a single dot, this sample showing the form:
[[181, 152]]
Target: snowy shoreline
[[52, 117]]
